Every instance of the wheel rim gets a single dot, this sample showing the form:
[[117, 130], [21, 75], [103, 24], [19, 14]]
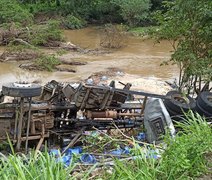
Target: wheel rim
[[22, 84], [209, 98]]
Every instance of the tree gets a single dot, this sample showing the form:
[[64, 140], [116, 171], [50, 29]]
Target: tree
[[187, 24], [133, 11], [11, 11]]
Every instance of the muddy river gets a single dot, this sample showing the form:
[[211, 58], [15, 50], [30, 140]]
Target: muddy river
[[138, 57]]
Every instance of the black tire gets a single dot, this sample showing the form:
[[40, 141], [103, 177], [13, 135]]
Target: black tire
[[178, 118], [175, 116], [177, 103], [14, 91], [1, 97], [171, 112], [204, 101], [202, 111]]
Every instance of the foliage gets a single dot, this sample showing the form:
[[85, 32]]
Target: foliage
[[184, 157], [113, 36], [61, 52], [11, 11], [101, 11], [72, 22], [47, 62], [143, 31], [188, 25], [20, 48], [44, 166], [43, 34], [133, 11], [105, 11]]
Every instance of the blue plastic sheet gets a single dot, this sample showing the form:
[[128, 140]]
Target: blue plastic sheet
[[55, 152], [121, 151], [66, 160], [75, 150], [88, 159], [141, 136], [91, 159]]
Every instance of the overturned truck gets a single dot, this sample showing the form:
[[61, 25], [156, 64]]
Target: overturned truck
[[57, 111]]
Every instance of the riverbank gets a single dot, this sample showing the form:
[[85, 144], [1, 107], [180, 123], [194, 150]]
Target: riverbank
[[139, 58]]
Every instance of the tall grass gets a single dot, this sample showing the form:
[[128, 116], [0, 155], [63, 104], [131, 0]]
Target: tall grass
[[184, 157], [41, 167]]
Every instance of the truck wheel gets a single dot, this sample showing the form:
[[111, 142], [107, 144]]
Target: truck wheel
[[21, 90], [177, 103], [204, 101], [202, 111], [171, 112]]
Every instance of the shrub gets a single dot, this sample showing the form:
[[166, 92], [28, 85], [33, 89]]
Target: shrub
[[113, 36], [47, 62], [43, 34], [11, 11], [72, 22], [134, 11]]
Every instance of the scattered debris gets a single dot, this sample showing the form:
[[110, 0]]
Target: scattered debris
[[93, 124]]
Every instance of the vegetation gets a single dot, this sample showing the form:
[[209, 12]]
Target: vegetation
[[11, 11], [42, 166], [43, 35], [72, 22], [134, 11], [113, 36], [187, 24], [47, 62], [144, 31], [186, 157]]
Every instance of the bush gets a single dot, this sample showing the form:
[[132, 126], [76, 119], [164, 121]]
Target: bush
[[113, 37], [47, 62], [72, 22], [11, 11], [134, 11], [43, 34]]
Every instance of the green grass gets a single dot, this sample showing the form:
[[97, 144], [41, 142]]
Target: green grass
[[184, 157], [42, 167]]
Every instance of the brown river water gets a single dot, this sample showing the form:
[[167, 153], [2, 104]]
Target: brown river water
[[139, 57]]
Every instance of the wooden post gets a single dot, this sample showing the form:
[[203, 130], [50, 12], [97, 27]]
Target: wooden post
[[28, 125], [18, 146]]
